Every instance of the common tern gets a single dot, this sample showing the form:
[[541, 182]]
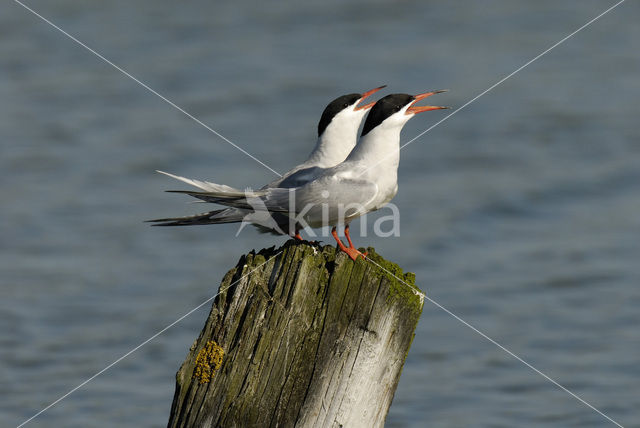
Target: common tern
[[337, 136], [364, 182]]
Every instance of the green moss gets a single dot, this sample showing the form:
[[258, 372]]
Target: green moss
[[258, 259], [329, 253], [410, 277], [402, 287]]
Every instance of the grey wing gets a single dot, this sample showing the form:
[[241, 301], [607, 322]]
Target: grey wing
[[330, 191], [296, 177], [301, 177], [327, 199]]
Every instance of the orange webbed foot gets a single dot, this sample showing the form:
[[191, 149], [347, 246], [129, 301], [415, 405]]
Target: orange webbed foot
[[353, 253]]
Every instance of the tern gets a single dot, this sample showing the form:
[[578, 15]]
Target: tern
[[364, 182], [337, 136]]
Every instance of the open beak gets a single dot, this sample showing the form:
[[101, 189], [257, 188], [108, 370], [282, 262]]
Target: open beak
[[419, 109], [368, 94]]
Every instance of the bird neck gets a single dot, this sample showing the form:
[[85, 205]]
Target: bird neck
[[380, 148], [334, 145]]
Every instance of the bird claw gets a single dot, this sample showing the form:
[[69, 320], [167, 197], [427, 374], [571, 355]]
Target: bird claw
[[354, 253]]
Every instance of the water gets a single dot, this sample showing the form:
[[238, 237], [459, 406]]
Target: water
[[520, 213]]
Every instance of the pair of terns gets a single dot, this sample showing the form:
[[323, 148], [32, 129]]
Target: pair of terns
[[343, 178]]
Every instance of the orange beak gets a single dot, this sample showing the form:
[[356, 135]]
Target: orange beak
[[419, 109], [368, 94]]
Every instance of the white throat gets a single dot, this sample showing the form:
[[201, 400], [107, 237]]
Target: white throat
[[380, 147]]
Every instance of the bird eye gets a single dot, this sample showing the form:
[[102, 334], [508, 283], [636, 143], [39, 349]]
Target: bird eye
[[397, 108], [345, 105]]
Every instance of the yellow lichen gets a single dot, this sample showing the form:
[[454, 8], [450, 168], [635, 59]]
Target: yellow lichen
[[208, 362]]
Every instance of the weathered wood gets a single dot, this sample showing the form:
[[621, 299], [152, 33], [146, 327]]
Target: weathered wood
[[307, 339]]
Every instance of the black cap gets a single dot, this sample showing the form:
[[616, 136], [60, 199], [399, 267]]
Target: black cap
[[384, 108], [335, 107]]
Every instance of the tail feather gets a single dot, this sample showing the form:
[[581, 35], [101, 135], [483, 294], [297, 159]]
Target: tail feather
[[208, 186], [227, 215], [243, 206], [246, 201], [216, 193]]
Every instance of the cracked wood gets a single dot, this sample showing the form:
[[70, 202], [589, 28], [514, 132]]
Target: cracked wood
[[310, 339]]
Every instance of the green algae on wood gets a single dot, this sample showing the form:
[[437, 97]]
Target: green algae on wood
[[310, 338]]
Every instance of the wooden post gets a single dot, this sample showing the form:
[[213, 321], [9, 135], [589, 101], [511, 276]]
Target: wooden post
[[300, 336]]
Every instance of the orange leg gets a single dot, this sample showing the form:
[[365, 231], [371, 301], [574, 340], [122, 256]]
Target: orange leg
[[346, 233], [352, 252], [297, 235]]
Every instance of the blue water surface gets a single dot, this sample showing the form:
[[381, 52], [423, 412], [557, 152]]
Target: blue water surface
[[520, 213]]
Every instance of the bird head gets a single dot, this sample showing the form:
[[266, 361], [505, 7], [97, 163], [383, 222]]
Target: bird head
[[345, 112], [395, 110]]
